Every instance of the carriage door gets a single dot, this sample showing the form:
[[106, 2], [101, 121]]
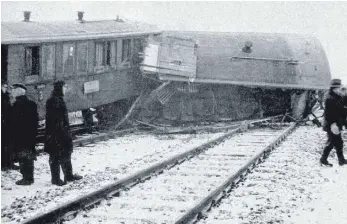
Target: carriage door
[[4, 62]]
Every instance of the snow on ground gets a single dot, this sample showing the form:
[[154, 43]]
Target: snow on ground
[[290, 187], [100, 164], [164, 198]]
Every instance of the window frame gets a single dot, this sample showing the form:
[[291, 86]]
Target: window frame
[[128, 51], [54, 54], [78, 44], [74, 59], [31, 73], [103, 64], [113, 53], [110, 55]]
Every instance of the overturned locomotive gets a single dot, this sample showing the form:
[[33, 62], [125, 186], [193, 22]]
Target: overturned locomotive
[[234, 76]]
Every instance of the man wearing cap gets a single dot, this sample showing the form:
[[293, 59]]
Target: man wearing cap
[[24, 122], [334, 115], [58, 139]]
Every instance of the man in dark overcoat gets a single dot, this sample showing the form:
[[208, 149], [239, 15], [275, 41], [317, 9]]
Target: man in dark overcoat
[[334, 116], [58, 139], [345, 107], [5, 131], [24, 123]]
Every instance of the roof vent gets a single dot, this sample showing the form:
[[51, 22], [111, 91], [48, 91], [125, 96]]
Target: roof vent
[[247, 47], [119, 20], [27, 16], [80, 15]]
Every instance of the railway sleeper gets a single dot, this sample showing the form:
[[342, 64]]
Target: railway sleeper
[[201, 215], [68, 216], [113, 194], [92, 204], [145, 178]]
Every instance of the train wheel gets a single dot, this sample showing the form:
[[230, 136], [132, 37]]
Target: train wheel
[[299, 104]]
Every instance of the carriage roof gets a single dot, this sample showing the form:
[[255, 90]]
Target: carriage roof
[[38, 32], [275, 60]]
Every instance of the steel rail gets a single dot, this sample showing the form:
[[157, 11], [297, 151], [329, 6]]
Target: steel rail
[[202, 128], [74, 128], [98, 137], [71, 208], [101, 136], [200, 210]]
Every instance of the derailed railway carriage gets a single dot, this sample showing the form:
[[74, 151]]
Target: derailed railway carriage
[[235, 75], [176, 77], [94, 58]]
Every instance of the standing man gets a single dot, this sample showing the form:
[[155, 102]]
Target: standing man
[[344, 100], [58, 140], [24, 122], [334, 115], [5, 131]]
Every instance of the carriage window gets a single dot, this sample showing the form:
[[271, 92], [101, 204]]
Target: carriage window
[[138, 46], [126, 50], [48, 61], [32, 60], [68, 59], [113, 52], [82, 57], [100, 54], [108, 53], [4, 61], [59, 60]]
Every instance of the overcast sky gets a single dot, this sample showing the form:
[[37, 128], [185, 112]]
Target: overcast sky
[[325, 20]]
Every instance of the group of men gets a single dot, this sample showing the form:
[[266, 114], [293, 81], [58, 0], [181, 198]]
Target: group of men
[[335, 118], [19, 123]]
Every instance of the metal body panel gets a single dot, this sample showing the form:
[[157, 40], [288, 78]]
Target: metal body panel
[[274, 60], [170, 55]]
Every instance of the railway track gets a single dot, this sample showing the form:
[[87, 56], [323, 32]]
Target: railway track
[[274, 189], [105, 133], [70, 209], [75, 130]]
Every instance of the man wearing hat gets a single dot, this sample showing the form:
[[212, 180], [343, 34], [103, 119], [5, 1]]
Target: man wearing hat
[[58, 139], [24, 122], [334, 120]]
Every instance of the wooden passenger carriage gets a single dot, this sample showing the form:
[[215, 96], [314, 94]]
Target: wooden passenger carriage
[[94, 58]]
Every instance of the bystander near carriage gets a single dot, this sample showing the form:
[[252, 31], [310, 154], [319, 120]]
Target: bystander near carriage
[[23, 125], [58, 139], [334, 116], [6, 155]]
